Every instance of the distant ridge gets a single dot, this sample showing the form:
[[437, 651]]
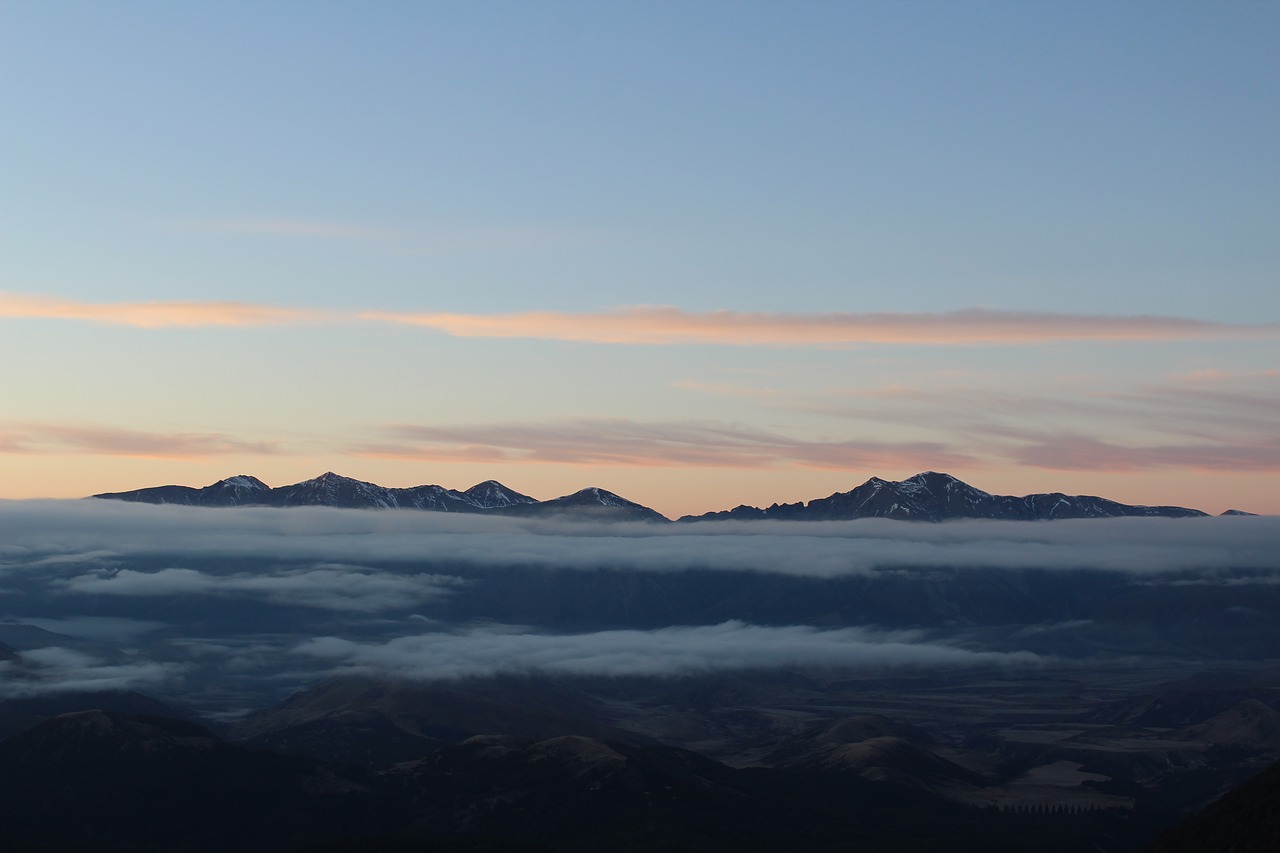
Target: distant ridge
[[931, 496], [334, 490], [928, 496]]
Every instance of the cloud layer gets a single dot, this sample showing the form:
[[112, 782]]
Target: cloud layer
[[35, 532], [155, 315], [329, 587], [616, 441], [52, 670], [141, 444], [655, 325], [662, 325], [732, 645], [231, 608]]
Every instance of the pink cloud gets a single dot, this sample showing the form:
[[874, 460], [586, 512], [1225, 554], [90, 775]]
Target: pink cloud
[[662, 325], [154, 315], [108, 441], [656, 325]]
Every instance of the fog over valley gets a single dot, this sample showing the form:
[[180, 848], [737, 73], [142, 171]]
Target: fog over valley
[[1116, 670], [178, 600]]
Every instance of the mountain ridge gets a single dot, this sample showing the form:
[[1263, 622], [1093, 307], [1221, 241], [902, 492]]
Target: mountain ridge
[[934, 496], [927, 496]]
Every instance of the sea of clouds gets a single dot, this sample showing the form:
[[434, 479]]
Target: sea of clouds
[[101, 595]]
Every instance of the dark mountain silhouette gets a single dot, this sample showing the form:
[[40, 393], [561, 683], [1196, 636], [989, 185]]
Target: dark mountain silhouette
[[579, 793], [1252, 723], [122, 780], [96, 780], [21, 713], [874, 748], [1244, 820], [378, 722]]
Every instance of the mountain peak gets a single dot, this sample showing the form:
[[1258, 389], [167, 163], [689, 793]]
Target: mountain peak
[[241, 481], [595, 501], [595, 493], [491, 494], [932, 476]]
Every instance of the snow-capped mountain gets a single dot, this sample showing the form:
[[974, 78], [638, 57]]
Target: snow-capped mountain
[[330, 489], [238, 489], [594, 501], [241, 490], [931, 496], [491, 494], [334, 490]]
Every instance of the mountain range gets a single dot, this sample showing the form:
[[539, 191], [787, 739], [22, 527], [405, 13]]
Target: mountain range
[[334, 490], [928, 496]]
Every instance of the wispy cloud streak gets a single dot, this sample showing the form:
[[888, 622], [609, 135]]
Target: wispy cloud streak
[[337, 587], [664, 325], [156, 315], [616, 441], [1208, 421], [1068, 452], [657, 325], [730, 645], [107, 441]]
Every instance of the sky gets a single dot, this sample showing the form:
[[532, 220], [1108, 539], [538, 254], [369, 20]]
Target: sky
[[699, 254]]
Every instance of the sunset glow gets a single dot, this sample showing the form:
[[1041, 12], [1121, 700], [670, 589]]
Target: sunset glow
[[700, 255]]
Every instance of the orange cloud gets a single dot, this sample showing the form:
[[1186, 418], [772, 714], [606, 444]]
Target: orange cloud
[[155, 315], [657, 325]]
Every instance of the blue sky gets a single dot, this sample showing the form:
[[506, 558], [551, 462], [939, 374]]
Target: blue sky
[[489, 159]]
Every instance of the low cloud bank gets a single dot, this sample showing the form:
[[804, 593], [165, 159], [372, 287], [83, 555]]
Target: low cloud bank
[[96, 533], [328, 587], [53, 670], [106, 629], [674, 651]]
